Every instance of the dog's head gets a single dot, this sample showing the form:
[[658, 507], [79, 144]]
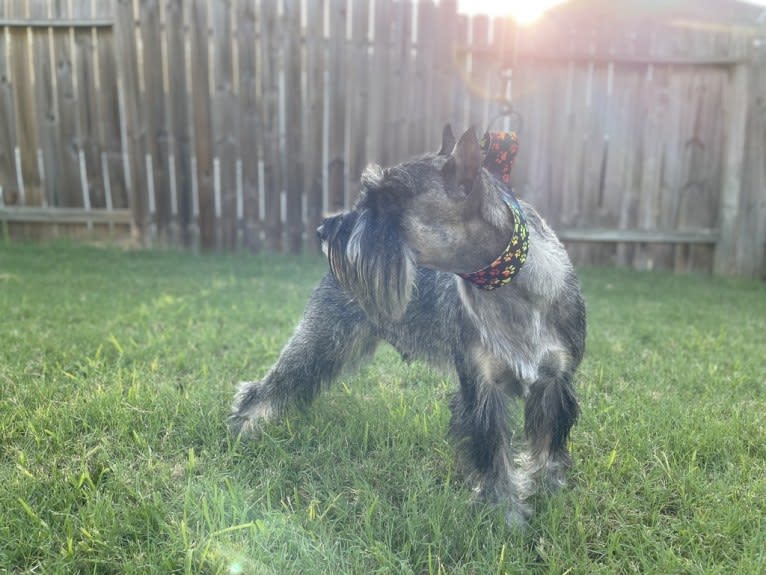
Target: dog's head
[[369, 259], [440, 211]]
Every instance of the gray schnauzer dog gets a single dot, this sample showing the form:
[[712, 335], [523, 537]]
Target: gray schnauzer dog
[[401, 271]]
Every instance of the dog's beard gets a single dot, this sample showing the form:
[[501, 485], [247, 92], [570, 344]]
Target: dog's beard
[[370, 260]]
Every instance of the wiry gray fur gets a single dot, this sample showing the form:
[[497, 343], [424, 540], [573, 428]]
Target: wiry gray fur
[[393, 261]]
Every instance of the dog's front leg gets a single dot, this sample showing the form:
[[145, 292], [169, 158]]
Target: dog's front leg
[[480, 427], [333, 334]]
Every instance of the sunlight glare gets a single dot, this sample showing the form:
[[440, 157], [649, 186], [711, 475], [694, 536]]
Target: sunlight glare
[[524, 12]]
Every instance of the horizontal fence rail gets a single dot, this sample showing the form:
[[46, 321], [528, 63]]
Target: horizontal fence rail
[[237, 124], [89, 23], [64, 215], [704, 237]]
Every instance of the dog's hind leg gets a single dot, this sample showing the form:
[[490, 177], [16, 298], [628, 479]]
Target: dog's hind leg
[[480, 428], [550, 412], [333, 334]]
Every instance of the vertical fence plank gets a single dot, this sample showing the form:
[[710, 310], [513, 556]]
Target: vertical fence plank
[[358, 96], [45, 108], [110, 103], [25, 151], [650, 169], [612, 168], [294, 152], [568, 184], [336, 128], [461, 78], [187, 118], [416, 121], [87, 83], [399, 45], [152, 88], [178, 126], [376, 142], [314, 98], [750, 248], [7, 116], [559, 99], [168, 215], [684, 110], [272, 174], [249, 121], [201, 112], [444, 68], [395, 120], [225, 137], [629, 187], [65, 85], [75, 9], [752, 258], [238, 191], [425, 90], [498, 75], [657, 83], [479, 71], [736, 113], [576, 135], [130, 112], [102, 184], [707, 161], [109, 130]]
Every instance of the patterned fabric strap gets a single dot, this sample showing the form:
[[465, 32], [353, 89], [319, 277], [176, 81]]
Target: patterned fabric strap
[[500, 152]]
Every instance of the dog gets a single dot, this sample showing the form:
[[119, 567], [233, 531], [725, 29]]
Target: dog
[[402, 270]]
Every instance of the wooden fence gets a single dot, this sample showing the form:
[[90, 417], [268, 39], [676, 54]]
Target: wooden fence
[[225, 124]]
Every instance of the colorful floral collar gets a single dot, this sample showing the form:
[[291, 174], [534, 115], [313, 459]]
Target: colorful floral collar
[[500, 152]]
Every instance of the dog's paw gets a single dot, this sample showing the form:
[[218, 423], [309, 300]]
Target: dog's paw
[[517, 516], [555, 477], [245, 427], [504, 498], [250, 411]]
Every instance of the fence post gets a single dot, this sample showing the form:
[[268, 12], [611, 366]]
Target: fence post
[[725, 261]]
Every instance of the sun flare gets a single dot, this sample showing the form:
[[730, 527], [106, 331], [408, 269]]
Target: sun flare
[[524, 12]]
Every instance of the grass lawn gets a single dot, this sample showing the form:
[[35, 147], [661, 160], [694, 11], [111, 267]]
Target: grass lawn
[[117, 370]]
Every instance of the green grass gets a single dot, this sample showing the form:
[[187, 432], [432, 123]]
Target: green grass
[[117, 370]]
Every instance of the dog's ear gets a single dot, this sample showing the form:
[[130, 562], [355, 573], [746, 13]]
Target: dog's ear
[[464, 164], [448, 141]]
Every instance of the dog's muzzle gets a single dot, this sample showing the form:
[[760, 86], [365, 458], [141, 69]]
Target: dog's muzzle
[[322, 235], [327, 229]]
